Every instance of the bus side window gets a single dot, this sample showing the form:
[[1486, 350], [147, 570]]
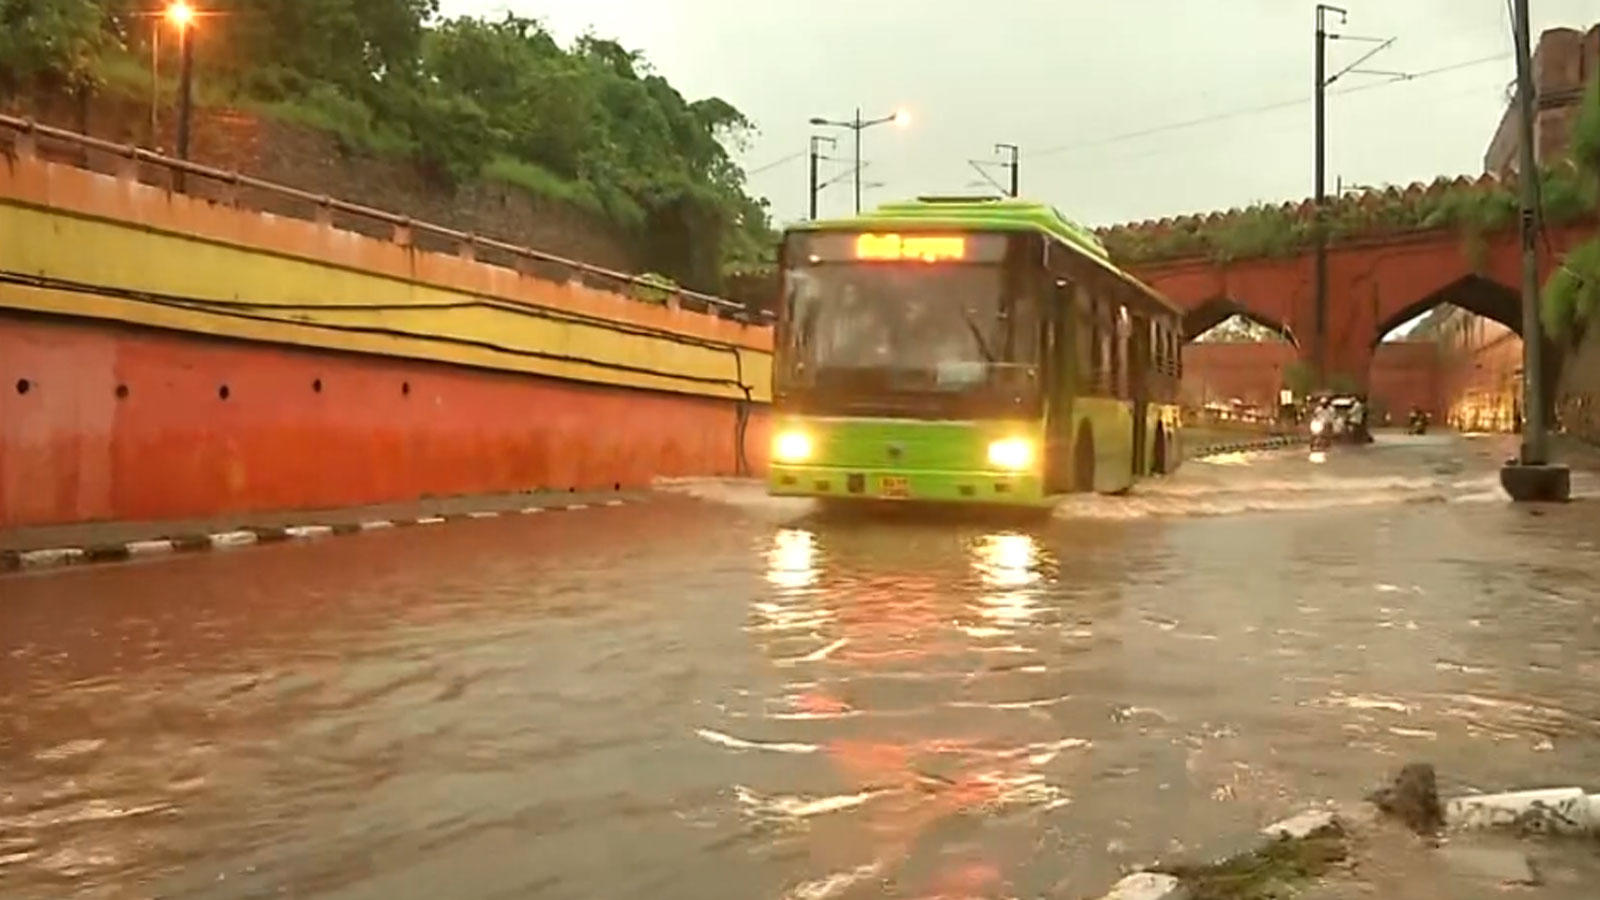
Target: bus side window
[[1085, 339], [1105, 362], [1157, 363], [1124, 346]]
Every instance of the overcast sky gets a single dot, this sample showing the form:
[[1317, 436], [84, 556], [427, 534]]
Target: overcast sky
[[1067, 81]]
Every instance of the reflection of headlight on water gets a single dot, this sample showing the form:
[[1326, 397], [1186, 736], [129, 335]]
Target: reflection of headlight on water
[[792, 562], [1317, 456], [1007, 560]]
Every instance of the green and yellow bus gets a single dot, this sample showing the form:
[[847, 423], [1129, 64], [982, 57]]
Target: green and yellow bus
[[967, 350]]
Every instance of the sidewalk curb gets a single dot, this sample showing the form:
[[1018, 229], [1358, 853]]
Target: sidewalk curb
[[57, 557], [1569, 810]]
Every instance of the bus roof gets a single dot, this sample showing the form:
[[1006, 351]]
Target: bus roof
[[989, 214]]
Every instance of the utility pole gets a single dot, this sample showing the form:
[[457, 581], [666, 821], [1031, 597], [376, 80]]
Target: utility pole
[[1319, 229], [1531, 477], [816, 157], [857, 128], [1014, 165]]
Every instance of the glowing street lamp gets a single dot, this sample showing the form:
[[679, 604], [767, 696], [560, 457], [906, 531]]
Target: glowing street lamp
[[181, 15], [901, 118]]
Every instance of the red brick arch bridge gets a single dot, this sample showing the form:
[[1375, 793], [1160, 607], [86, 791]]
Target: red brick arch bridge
[[1377, 279]]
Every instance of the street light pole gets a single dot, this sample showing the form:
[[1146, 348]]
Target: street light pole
[[859, 125], [185, 89], [181, 16], [155, 79]]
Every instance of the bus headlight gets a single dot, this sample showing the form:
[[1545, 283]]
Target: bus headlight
[[1012, 454], [791, 447]]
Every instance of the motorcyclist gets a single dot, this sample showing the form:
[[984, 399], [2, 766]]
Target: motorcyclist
[[1418, 422], [1322, 422], [1358, 420]]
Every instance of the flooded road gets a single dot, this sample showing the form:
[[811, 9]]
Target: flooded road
[[719, 695]]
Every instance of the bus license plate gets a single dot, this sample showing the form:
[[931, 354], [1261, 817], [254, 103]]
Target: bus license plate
[[894, 486]]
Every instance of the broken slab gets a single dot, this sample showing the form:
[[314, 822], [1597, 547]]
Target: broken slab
[[1148, 886]]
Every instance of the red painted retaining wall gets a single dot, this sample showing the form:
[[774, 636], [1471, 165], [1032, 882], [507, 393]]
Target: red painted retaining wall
[[379, 429]]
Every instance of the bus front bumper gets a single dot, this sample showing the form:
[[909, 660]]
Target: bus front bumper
[[1009, 489]]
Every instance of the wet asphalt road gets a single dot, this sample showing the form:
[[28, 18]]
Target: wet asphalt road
[[719, 695]]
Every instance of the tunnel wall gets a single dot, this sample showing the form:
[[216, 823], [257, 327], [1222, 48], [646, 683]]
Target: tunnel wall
[[356, 369], [1405, 375], [1578, 394], [1223, 371], [1481, 378]]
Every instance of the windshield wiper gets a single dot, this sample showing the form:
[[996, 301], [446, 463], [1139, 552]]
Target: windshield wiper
[[977, 335]]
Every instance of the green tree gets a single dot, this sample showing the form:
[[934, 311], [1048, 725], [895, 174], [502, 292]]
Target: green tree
[[590, 124], [1572, 293], [51, 42], [272, 47]]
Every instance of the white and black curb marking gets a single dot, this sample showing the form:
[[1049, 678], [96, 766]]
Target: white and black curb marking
[[49, 557], [1276, 443]]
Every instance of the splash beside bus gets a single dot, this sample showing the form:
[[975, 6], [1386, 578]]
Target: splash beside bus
[[967, 351]]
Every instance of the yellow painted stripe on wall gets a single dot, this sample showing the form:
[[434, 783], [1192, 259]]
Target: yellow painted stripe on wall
[[59, 245]]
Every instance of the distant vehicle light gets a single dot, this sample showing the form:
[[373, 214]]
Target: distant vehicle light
[[791, 447], [1011, 454], [1317, 426]]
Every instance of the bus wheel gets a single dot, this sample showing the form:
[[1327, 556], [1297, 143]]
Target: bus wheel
[[1083, 461], [1159, 465]]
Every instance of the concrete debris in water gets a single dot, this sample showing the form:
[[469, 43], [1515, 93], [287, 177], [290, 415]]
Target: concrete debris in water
[[1304, 825], [1413, 798], [1148, 886]]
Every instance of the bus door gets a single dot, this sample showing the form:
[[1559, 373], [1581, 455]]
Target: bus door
[[1138, 375], [1059, 386]]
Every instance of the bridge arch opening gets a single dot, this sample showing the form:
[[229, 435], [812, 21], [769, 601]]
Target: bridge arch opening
[[1235, 362], [1237, 322], [1456, 353]]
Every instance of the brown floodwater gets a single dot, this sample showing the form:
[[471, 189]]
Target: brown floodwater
[[715, 694]]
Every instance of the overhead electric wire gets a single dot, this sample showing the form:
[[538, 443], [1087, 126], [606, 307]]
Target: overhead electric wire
[[775, 163], [1256, 110]]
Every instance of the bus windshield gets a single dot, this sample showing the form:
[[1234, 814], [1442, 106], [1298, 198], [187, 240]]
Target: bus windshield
[[906, 327]]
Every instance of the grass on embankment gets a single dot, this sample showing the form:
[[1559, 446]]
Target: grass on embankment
[[1270, 873]]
